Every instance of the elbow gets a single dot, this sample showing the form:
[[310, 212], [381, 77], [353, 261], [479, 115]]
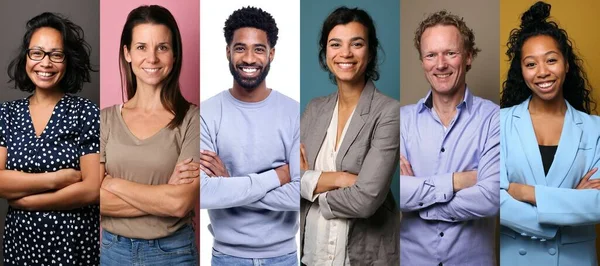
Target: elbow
[[180, 208]]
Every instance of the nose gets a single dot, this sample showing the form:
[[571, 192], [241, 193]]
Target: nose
[[152, 58], [441, 63], [46, 61], [345, 51], [248, 58], [542, 71]]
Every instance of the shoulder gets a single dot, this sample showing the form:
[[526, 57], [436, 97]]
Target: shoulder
[[591, 123], [14, 104], [287, 104], [320, 101], [385, 104], [192, 114]]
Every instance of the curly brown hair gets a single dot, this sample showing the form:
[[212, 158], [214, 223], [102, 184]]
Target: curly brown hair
[[446, 18]]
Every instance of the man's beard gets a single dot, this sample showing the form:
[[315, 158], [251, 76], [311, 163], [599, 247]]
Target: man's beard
[[249, 84]]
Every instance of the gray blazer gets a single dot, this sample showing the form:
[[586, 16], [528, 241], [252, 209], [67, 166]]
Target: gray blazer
[[370, 149]]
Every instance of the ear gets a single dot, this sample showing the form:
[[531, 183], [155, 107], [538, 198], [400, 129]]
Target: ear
[[271, 54], [566, 67], [126, 53], [228, 50], [469, 59]]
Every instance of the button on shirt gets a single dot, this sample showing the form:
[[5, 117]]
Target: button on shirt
[[440, 226]]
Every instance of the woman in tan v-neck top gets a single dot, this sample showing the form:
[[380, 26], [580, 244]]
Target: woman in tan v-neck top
[[149, 149]]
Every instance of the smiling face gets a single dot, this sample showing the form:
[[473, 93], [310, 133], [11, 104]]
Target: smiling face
[[151, 53], [45, 74], [444, 59], [348, 52], [249, 56], [544, 67]]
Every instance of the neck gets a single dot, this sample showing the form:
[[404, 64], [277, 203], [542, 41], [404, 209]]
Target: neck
[[146, 97], [46, 97], [446, 103], [255, 95], [556, 106], [349, 92]]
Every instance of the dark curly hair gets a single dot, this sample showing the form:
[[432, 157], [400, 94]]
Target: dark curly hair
[[76, 49], [170, 94], [534, 22], [254, 18], [344, 15], [446, 18]]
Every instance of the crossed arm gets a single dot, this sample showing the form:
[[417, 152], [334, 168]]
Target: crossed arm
[[51, 191], [440, 197]]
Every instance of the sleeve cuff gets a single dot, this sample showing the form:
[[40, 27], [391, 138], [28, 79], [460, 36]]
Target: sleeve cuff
[[308, 184], [268, 180], [444, 188], [324, 207]]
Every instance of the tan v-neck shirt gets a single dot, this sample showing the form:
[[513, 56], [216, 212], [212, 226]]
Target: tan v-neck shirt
[[148, 161]]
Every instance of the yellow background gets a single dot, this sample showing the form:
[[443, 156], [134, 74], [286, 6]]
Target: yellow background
[[581, 20]]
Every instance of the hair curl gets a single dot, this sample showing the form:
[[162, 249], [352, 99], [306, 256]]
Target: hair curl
[[534, 22], [342, 16], [254, 18], [446, 18], [76, 49]]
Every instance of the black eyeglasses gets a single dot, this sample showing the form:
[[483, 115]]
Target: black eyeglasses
[[39, 54]]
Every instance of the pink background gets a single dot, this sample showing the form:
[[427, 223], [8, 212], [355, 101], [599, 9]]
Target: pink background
[[113, 14]]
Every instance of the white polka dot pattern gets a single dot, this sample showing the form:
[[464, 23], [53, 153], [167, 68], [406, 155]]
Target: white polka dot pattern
[[50, 237]]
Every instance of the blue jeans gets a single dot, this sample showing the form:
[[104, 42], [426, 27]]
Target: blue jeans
[[221, 259], [176, 249]]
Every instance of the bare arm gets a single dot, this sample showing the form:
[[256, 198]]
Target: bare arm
[[113, 206], [70, 197]]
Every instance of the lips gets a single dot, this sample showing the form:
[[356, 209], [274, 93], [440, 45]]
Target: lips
[[151, 71], [345, 65], [249, 71], [445, 75], [45, 75], [546, 85]]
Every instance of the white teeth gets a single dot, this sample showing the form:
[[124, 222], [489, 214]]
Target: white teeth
[[249, 70], [152, 70], [442, 75], [545, 84], [345, 65], [44, 74]]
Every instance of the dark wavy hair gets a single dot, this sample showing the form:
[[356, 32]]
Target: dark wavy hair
[[77, 52], [342, 16], [254, 18], [170, 94], [534, 22]]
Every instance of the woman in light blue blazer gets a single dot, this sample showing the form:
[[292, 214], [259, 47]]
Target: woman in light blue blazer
[[550, 197]]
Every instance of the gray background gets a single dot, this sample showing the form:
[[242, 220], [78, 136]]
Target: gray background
[[482, 16], [13, 18], [314, 81]]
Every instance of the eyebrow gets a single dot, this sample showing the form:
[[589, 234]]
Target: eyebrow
[[547, 53], [160, 43], [42, 48], [243, 44], [351, 39]]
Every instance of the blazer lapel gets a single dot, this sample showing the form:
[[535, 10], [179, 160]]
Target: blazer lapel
[[529, 144], [568, 145], [358, 121], [320, 129]]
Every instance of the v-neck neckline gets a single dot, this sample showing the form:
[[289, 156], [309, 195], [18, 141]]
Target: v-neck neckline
[[130, 133], [43, 134]]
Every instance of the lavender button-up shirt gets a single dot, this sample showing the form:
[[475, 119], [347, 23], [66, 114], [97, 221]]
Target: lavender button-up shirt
[[440, 227]]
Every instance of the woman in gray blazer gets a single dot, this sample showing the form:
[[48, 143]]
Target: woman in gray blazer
[[349, 153]]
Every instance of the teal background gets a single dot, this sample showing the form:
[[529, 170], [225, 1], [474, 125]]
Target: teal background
[[314, 81]]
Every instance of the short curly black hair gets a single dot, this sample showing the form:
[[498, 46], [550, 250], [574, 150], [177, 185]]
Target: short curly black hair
[[342, 16], [534, 22], [76, 49], [252, 17]]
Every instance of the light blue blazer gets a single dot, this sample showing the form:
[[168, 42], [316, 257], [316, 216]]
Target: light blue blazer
[[560, 229]]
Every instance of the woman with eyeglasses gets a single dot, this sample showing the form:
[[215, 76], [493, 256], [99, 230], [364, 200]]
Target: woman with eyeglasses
[[49, 145]]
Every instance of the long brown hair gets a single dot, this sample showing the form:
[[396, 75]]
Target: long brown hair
[[170, 94]]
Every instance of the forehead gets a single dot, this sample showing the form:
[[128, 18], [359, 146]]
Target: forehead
[[441, 37], [147, 32], [540, 44], [349, 30], [249, 36], [46, 37]]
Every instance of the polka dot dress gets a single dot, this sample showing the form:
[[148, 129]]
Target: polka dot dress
[[50, 237]]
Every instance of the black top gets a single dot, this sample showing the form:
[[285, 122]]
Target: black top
[[547, 156]]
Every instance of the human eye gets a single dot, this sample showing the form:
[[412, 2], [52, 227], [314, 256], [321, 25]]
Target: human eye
[[358, 44], [429, 56], [57, 55], [36, 54], [259, 50], [140, 47], [529, 64], [163, 48], [552, 60], [238, 49], [334, 45]]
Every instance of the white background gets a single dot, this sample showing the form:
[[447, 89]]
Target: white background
[[215, 77]]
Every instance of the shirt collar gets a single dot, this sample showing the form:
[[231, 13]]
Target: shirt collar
[[427, 102]]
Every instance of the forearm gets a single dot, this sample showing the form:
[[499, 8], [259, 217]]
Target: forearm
[[17, 184], [567, 207], [71, 197], [222, 192], [417, 193], [284, 198], [160, 200], [523, 218], [113, 206]]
